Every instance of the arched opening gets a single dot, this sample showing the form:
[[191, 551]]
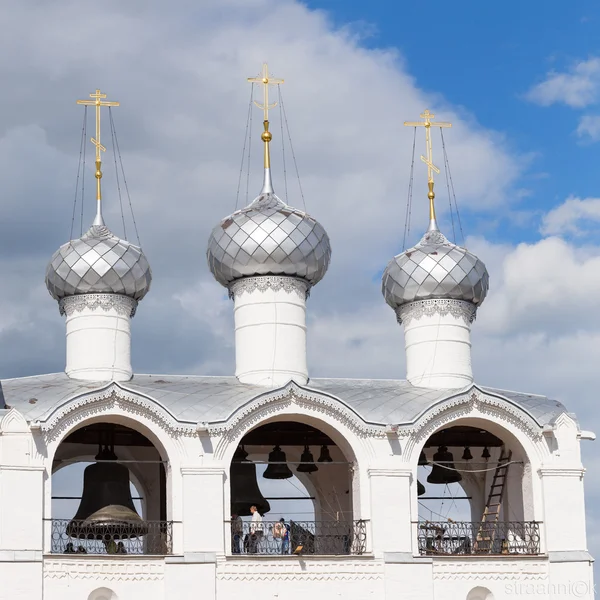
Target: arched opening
[[474, 492], [291, 493], [109, 493]]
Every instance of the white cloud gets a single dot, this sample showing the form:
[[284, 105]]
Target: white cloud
[[589, 127], [574, 216], [578, 87]]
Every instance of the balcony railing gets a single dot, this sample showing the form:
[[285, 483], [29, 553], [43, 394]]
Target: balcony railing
[[463, 537], [158, 540], [298, 537]]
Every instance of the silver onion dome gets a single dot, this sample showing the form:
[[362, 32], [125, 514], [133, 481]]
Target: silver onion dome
[[98, 263], [268, 237], [434, 268]]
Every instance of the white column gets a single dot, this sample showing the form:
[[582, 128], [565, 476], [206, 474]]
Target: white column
[[270, 330], [98, 336], [437, 336]]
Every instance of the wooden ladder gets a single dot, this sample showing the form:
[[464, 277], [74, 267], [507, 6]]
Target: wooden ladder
[[489, 521]]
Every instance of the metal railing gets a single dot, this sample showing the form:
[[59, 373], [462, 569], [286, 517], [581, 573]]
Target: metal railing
[[298, 537], [464, 537], [157, 541]]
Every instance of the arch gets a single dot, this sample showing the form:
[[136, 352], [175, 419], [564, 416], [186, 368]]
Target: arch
[[103, 593], [480, 593]]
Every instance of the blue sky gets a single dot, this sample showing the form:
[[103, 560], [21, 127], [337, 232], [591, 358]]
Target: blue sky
[[484, 57]]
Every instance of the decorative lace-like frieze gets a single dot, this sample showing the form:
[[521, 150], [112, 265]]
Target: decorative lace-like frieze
[[270, 282], [124, 305], [440, 306]]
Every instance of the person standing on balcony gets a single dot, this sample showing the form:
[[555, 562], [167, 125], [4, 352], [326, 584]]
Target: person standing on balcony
[[281, 532], [237, 532], [256, 529]]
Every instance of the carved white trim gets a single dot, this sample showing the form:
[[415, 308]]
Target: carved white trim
[[502, 570], [272, 403], [322, 570], [123, 305], [459, 309], [13, 422], [270, 282], [104, 401], [464, 405], [101, 569]]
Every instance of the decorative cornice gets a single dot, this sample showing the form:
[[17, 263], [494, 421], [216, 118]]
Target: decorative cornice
[[464, 405], [123, 305], [389, 472], [578, 472], [270, 282], [285, 570], [103, 569], [273, 403], [500, 570], [440, 306], [105, 400]]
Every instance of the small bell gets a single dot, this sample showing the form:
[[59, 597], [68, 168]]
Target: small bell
[[422, 459], [446, 473], [486, 453], [277, 468], [467, 454], [307, 462], [420, 488], [325, 456]]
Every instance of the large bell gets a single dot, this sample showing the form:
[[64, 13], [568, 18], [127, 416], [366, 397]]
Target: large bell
[[445, 473], [420, 488], [277, 468], [244, 486], [106, 509]]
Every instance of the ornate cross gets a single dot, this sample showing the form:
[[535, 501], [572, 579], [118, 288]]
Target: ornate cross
[[98, 101], [266, 80], [428, 123]]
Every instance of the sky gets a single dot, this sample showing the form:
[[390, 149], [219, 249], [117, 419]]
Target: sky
[[520, 83]]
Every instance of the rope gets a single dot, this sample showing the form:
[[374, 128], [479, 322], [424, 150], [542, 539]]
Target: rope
[[83, 173], [112, 133], [81, 144], [124, 179], [408, 214], [292, 148], [282, 143], [447, 163], [511, 462], [237, 197], [446, 169], [249, 147]]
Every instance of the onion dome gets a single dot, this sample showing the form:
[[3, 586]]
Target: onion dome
[[98, 263], [268, 237], [434, 268]]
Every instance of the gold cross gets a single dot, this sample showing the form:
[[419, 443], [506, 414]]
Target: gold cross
[[427, 123], [266, 80], [97, 101]]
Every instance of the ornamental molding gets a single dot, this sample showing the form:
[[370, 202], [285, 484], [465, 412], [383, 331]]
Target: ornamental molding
[[487, 570], [460, 309], [293, 571], [276, 402], [472, 403], [270, 282], [123, 305], [578, 472], [102, 569], [105, 401]]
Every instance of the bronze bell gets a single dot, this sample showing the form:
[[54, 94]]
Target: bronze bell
[[445, 473], [422, 459], [277, 468], [420, 488], [244, 486], [325, 456], [307, 462], [106, 510]]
